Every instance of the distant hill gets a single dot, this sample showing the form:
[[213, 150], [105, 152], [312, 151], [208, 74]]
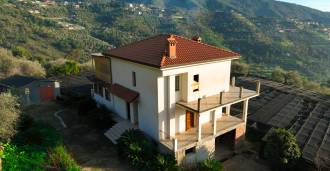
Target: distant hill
[[267, 33]]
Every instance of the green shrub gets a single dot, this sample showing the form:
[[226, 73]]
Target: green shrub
[[39, 135], [210, 165], [22, 158], [135, 147], [281, 149], [60, 159], [165, 162]]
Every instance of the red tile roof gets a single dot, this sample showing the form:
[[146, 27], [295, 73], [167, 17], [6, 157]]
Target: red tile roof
[[124, 93], [151, 52]]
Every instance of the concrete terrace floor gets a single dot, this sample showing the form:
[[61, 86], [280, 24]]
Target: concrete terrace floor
[[88, 146]]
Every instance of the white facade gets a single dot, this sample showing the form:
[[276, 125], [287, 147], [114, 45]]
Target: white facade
[[157, 114]]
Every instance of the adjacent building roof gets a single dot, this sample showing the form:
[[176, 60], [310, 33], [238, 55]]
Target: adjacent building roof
[[304, 112], [124, 93], [18, 81], [154, 51]]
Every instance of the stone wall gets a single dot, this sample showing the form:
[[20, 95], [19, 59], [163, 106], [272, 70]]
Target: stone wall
[[203, 150], [240, 136]]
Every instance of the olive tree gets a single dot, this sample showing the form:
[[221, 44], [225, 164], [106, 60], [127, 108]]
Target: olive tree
[[9, 116], [281, 149]]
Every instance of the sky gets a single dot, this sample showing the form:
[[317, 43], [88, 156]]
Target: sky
[[323, 5]]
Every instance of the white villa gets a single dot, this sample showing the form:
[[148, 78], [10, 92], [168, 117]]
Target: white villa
[[176, 90]]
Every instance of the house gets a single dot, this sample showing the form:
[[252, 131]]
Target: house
[[176, 90], [31, 90]]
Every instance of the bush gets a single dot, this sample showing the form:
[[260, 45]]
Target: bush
[[278, 75], [210, 165], [40, 135], [135, 147], [294, 78], [21, 158], [60, 159], [240, 68], [9, 116], [142, 154], [165, 163], [281, 149], [9, 65]]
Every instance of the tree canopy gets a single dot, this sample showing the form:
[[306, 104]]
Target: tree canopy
[[281, 149]]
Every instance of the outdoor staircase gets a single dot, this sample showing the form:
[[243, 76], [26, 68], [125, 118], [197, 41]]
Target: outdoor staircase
[[117, 130]]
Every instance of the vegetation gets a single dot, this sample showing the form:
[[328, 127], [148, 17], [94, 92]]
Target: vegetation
[[9, 65], [68, 68], [28, 145], [141, 153], [281, 149], [9, 116], [38, 148], [269, 33], [210, 165]]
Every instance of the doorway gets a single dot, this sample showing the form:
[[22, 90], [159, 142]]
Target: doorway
[[224, 145], [128, 109], [190, 120]]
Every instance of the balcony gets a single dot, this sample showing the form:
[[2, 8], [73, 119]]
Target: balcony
[[234, 95], [189, 138]]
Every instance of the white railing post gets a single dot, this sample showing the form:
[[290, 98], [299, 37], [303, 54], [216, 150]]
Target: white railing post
[[245, 109], [258, 87], [214, 123], [199, 129], [175, 144]]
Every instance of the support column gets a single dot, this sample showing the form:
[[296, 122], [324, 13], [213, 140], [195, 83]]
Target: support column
[[245, 109], [214, 122], [228, 110], [171, 105], [199, 129]]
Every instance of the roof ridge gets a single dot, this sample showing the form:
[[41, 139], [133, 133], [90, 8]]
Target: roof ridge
[[218, 48], [139, 41]]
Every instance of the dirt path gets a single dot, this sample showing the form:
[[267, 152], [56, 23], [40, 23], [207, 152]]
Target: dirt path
[[246, 162], [88, 146]]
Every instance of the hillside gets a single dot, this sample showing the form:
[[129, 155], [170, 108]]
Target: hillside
[[267, 33]]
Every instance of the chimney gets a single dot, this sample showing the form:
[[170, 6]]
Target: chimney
[[197, 39], [171, 47]]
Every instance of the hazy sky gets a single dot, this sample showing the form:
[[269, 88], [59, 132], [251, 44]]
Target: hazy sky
[[323, 5]]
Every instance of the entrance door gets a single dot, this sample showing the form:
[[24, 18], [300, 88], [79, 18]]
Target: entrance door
[[128, 108], [189, 120]]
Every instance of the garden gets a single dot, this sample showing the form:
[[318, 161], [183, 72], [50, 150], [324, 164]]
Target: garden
[[29, 145]]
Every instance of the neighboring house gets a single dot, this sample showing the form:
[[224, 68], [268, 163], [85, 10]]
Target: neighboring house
[[77, 85], [176, 90], [31, 90]]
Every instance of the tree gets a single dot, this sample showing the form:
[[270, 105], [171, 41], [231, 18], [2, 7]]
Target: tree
[[21, 51], [282, 149], [240, 68], [294, 78], [9, 116], [278, 75]]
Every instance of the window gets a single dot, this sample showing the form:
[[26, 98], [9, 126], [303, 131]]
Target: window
[[107, 94], [134, 79], [190, 150], [196, 83], [177, 83]]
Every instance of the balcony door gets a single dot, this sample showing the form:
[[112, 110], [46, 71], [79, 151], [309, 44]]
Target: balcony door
[[190, 120]]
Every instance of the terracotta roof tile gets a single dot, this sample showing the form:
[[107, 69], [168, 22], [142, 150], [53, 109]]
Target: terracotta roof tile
[[152, 51], [124, 93]]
